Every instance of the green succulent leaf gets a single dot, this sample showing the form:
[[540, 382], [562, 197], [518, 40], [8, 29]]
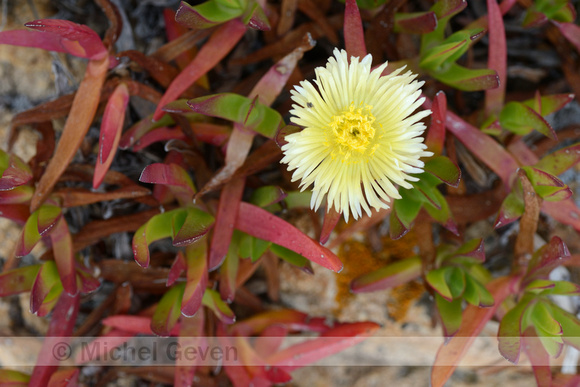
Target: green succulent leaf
[[291, 257], [510, 330], [267, 195], [450, 313], [548, 186], [168, 311], [437, 279], [522, 119], [444, 169], [212, 300], [512, 208], [466, 79], [250, 113]]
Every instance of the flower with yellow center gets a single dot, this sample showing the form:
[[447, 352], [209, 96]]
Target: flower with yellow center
[[361, 135]]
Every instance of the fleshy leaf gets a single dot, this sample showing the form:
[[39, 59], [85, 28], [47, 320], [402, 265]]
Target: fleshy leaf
[[353, 30], [168, 311], [17, 195], [572, 32], [445, 169], [560, 161], [472, 249], [57, 35], [79, 120], [48, 216], [415, 23], [547, 258], [174, 176], [510, 330], [214, 50], [511, 210], [435, 139], [548, 186], [497, 58], [389, 276], [542, 318], [468, 79], [443, 215], [538, 356], [267, 195], [450, 313], [292, 258], [521, 119], [250, 113], [13, 171], [197, 277], [65, 378], [330, 342], [207, 14], [229, 270], [18, 280], [290, 319], [548, 104], [212, 300], [62, 246], [437, 279], [158, 227], [262, 224], [111, 129], [177, 268], [45, 290], [29, 236]]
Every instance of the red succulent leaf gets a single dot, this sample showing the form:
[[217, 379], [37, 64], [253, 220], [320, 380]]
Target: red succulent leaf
[[331, 218], [475, 249], [133, 324], [571, 32], [264, 225], [547, 258], [225, 220], [560, 161], [17, 195], [416, 23], [270, 340], [292, 320], [215, 49], [191, 335], [111, 129], [76, 39], [229, 272], [435, 138], [354, 39], [172, 175], [45, 289], [329, 343], [61, 326], [497, 58]]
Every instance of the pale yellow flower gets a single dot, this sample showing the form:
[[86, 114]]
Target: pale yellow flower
[[361, 135]]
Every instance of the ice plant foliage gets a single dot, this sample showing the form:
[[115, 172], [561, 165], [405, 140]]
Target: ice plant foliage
[[361, 134]]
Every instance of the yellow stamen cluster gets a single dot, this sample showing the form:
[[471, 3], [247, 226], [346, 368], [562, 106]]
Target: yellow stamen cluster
[[352, 130]]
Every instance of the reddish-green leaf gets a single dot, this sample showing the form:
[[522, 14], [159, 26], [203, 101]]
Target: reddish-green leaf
[[467, 79], [511, 209], [293, 320], [548, 104], [267, 195], [174, 176], [65, 378], [292, 258], [547, 258], [29, 236], [435, 138], [415, 23], [450, 314], [18, 280], [510, 330], [212, 300], [215, 49], [111, 129], [521, 119], [560, 161], [437, 280], [548, 186], [572, 32], [264, 225], [250, 113], [207, 14], [62, 246], [158, 227], [46, 289], [331, 218], [177, 268], [61, 326], [197, 277], [17, 195], [392, 275], [229, 270], [168, 311], [13, 172], [48, 216], [445, 169]]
